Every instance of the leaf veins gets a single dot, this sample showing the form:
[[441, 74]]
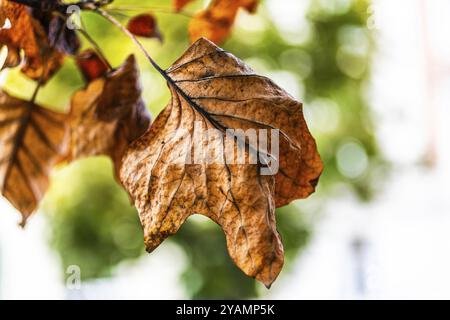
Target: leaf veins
[[32, 140], [214, 88]]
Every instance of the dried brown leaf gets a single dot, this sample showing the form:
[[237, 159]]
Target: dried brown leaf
[[108, 115], [32, 139], [41, 34], [214, 87]]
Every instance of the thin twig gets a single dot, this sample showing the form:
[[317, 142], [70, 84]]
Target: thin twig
[[152, 9], [38, 86], [119, 14]]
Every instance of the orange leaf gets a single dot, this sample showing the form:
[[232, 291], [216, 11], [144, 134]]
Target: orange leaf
[[216, 21], [27, 34]]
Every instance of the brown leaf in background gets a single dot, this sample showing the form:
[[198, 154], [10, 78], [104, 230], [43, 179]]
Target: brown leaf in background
[[32, 139], [108, 115], [214, 87], [27, 33], [216, 21], [144, 25]]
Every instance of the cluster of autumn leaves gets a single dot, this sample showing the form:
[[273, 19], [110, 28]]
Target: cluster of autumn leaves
[[39, 38], [34, 138], [108, 117]]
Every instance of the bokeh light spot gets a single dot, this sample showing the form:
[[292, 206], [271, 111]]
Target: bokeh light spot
[[352, 160]]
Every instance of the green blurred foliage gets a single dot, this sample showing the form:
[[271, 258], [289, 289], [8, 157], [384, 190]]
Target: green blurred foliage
[[211, 274], [344, 40], [94, 225], [92, 222]]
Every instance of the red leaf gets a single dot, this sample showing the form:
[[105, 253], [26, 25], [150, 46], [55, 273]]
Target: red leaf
[[91, 65], [144, 25]]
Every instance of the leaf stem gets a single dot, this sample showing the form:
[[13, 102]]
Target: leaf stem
[[46, 65], [96, 47], [114, 21], [173, 84], [83, 31], [38, 87]]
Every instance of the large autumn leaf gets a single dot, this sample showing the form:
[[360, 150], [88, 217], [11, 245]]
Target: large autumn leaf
[[216, 21], [41, 35], [108, 115], [212, 87], [32, 139]]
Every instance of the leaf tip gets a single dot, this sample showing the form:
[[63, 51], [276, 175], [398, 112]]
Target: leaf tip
[[153, 242], [268, 278], [203, 41], [23, 222]]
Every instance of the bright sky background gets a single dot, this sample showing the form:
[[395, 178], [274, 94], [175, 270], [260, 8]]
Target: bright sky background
[[406, 231]]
